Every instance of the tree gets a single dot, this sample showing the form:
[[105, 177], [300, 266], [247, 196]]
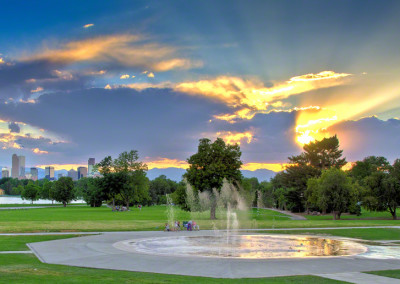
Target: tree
[[211, 164], [124, 176], [30, 192], [46, 190], [159, 187], [63, 190], [316, 157], [384, 189], [332, 190], [91, 191], [365, 168]]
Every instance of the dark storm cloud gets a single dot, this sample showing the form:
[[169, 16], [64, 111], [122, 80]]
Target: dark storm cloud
[[42, 143], [369, 136], [14, 127], [158, 123]]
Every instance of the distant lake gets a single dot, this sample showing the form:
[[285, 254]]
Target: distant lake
[[18, 200]]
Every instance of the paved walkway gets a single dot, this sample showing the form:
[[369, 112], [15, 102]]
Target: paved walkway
[[360, 278], [100, 251], [16, 251], [292, 215]]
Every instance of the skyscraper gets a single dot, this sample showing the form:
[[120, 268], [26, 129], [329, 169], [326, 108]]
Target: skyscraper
[[49, 173], [21, 166], [82, 172], [73, 174], [91, 163], [34, 173], [15, 166], [5, 173]]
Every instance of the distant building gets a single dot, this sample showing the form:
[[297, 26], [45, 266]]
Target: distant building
[[49, 173], [5, 172], [60, 176], [21, 160], [34, 173], [2, 191], [82, 172], [73, 174], [91, 163], [15, 166]]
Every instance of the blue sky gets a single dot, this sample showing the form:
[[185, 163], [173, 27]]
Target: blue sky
[[96, 78]]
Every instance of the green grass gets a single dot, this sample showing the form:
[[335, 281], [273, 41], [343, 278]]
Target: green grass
[[365, 234], [85, 218], [28, 269], [18, 243], [388, 273], [365, 214], [34, 205]]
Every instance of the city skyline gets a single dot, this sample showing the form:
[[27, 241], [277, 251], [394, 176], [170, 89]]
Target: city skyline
[[158, 76]]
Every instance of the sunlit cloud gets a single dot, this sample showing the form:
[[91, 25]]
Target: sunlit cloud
[[232, 137], [58, 167], [38, 89], [177, 63], [107, 87], [125, 50], [150, 75], [1, 61], [27, 101], [125, 76], [39, 152], [237, 92], [88, 26], [163, 163], [276, 167]]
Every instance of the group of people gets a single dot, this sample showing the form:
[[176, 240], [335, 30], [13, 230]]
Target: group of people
[[189, 226]]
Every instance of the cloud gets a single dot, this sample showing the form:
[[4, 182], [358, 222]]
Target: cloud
[[237, 92], [39, 152], [232, 137], [1, 61], [88, 26], [177, 63], [125, 76], [14, 127], [150, 75], [122, 50], [163, 163], [38, 89], [269, 166], [58, 167]]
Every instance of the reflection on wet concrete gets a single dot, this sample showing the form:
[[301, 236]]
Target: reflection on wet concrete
[[249, 246]]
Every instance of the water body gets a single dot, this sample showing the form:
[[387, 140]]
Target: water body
[[19, 200]]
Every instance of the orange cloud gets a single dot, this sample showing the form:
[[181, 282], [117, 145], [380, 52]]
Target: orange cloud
[[163, 163], [38, 89], [252, 94], [125, 76], [269, 166], [236, 137], [88, 26], [127, 50], [58, 167], [39, 152]]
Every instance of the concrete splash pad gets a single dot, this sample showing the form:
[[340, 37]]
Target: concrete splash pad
[[244, 246], [109, 251]]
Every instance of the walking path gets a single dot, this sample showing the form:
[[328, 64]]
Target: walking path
[[16, 251], [360, 278], [292, 215]]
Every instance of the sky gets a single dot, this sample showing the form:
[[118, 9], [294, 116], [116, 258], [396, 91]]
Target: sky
[[82, 79]]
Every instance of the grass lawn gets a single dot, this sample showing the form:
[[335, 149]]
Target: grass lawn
[[18, 243], [365, 234], [388, 273], [85, 218], [365, 214], [34, 204], [19, 268]]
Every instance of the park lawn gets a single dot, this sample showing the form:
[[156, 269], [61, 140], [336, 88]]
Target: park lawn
[[388, 273], [18, 243], [365, 214], [34, 205], [364, 234], [22, 268], [88, 219]]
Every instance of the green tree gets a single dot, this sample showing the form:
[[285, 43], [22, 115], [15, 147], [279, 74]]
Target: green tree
[[316, 157], [159, 187], [63, 190], [383, 191], [332, 190], [30, 192], [91, 191], [46, 190], [124, 176], [365, 168], [211, 164]]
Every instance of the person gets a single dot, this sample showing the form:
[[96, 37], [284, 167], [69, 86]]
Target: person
[[176, 226], [166, 227], [189, 227], [140, 207], [195, 225]]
